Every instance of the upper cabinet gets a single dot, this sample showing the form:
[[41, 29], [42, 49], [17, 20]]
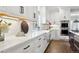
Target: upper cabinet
[[64, 13], [55, 14], [27, 11]]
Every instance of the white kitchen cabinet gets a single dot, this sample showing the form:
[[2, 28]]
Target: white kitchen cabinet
[[47, 36], [35, 45], [39, 44], [42, 43], [23, 47], [45, 42], [54, 34]]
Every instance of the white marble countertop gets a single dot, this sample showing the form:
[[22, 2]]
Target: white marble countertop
[[11, 41], [76, 33]]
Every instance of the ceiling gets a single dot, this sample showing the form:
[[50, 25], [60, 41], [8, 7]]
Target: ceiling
[[51, 9], [55, 8], [74, 10]]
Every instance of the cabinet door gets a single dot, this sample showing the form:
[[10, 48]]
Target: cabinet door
[[38, 44], [52, 35], [30, 48], [76, 37], [42, 43], [47, 36], [56, 34], [20, 48], [45, 42]]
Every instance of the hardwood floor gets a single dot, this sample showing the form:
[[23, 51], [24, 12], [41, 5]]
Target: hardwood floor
[[58, 46]]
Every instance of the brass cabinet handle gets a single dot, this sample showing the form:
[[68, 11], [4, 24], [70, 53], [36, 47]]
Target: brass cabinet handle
[[27, 47]]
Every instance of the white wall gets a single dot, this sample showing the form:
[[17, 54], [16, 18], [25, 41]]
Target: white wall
[[15, 10]]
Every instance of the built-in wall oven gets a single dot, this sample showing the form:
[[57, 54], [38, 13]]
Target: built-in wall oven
[[64, 27]]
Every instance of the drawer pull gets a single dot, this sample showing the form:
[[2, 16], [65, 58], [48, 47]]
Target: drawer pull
[[39, 38], [2, 51], [44, 38], [27, 47], [39, 46]]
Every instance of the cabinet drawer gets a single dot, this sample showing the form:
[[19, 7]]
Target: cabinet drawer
[[40, 44], [37, 44], [30, 48], [46, 36], [76, 38], [23, 47], [38, 39]]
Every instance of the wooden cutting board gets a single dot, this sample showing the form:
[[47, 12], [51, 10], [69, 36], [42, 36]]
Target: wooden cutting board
[[24, 27]]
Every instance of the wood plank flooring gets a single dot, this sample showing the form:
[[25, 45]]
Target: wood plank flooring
[[58, 46]]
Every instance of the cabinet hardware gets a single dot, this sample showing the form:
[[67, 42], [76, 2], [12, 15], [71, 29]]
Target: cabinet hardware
[[21, 9], [39, 38], [44, 38], [2, 51], [27, 47], [39, 46], [34, 15]]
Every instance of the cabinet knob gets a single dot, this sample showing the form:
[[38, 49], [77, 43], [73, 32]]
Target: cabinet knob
[[27, 47]]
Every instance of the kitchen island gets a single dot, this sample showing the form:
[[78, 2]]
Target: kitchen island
[[74, 40], [34, 42]]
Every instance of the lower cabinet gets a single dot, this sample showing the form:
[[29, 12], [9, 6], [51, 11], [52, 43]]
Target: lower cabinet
[[51, 35], [54, 34], [41, 43], [36, 45], [72, 41], [23, 47]]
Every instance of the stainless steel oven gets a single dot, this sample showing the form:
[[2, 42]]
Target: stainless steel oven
[[64, 27]]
